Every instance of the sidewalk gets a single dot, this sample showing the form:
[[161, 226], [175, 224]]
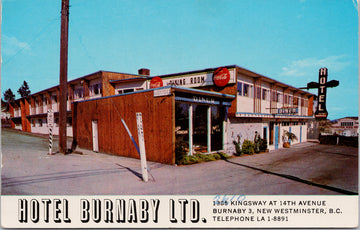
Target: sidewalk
[[28, 170]]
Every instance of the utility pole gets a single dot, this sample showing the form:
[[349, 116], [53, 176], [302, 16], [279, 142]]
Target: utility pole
[[63, 74]]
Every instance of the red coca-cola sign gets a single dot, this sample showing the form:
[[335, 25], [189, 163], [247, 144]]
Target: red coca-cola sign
[[221, 76], [156, 82]]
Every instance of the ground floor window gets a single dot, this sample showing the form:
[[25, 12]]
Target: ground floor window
[[200, 132], [217, 128], [182, 127], [198, 127]]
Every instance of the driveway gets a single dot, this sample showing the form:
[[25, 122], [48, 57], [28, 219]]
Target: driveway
[[306, 168]]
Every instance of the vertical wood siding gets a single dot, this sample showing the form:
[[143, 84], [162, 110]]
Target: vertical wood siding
[[158, 121]]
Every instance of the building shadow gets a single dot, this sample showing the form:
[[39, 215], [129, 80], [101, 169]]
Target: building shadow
[[297, 179]]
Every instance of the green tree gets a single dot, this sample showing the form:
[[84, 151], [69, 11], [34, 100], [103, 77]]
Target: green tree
[[9, 96], [24, 90], [324, 126]]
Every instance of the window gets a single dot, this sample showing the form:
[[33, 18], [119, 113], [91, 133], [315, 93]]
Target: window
[[258, 92], [278, 97], [273, 96], [122, 91], [346, 124], [264, 94], [217, 120], [181, 128], [239, 88], [296, 101], [40, 123], [286, 99], [69, 121], [45, 101], [246, 92], [78, 93], [139, 89], [54, 98], [95, 89], [128, 90], [33, 122]]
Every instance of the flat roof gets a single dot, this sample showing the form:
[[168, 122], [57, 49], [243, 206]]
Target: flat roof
[[242, 70], [144, 77], [176, 88]]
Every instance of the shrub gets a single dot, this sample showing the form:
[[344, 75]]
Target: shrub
[[263, 145], [223, 155], [199, 157], [180, 151], [248, 147], [188, 160], [217, 156]]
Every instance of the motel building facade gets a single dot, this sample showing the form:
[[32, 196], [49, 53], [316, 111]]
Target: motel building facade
[[202, 110]]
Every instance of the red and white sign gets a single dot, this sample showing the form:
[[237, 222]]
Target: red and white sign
[[156, 82], [221, 76]]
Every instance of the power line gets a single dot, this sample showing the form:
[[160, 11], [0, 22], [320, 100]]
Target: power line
[[31, 41]]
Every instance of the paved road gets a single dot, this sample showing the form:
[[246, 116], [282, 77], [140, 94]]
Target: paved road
[[306, 168]]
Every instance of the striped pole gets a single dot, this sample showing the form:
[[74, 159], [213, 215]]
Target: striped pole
[[50, 140], [50, 123]]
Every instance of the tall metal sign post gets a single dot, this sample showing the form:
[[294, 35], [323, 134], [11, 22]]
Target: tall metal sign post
[[142, 147], [63, 74], [321, 112]]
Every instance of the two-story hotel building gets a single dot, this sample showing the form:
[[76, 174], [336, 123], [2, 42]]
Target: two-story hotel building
[[204, 110]]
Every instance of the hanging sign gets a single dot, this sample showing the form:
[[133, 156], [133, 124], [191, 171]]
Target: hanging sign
[[221, 76], [321, 112], [321, 108], [156, 82]]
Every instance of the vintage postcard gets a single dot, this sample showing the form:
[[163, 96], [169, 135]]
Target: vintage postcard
[[179, 114]]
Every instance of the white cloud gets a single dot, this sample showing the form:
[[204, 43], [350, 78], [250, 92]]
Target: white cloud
[[308, 66], [11, 45]]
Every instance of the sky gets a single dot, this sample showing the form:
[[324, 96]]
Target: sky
[[287, 40]]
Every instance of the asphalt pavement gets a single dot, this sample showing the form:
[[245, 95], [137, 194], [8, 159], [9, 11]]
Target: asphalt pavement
[[304, 169]]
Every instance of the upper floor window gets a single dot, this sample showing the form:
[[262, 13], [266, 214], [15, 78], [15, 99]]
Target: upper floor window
[[346, 124], [264, 94], [95, 89], [78, 93], [258, 92], [246, 92], [296, 101], [54, 98], [121, 91], [278, 97], [239, 88], [45, 100]]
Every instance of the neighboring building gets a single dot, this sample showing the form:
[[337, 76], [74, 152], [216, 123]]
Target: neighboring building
[[347, 126], [5, 115], [203, 110]]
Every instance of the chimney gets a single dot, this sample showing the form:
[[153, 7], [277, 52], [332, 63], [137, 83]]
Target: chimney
[[144, 71]]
